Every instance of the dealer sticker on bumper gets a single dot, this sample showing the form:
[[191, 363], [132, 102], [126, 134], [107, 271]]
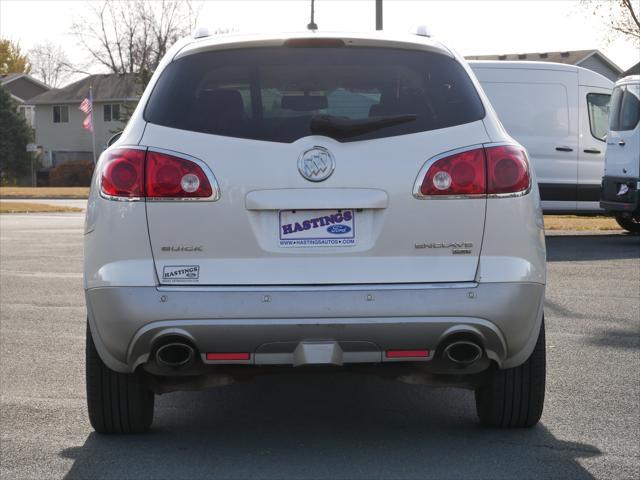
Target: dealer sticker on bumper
[[181, 274], [317, 228]]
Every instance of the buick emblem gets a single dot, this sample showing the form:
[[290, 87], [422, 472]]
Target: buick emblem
[[316, 164]]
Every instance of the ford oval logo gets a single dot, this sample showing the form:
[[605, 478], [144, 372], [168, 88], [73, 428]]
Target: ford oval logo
[[316, 164], [337, 229]]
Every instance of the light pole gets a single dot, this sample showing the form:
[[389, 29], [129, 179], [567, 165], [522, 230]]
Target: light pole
[[378, 14], [312, 25]]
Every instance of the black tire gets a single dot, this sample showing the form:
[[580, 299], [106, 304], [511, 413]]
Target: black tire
[[630, 224], [514, 397], [117, 402]]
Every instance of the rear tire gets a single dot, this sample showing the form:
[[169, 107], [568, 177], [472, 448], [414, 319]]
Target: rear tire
[[630, 224], [117, 402], [514, 397]]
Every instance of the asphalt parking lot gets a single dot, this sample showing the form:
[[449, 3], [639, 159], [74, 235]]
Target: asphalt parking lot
[[330, 426]]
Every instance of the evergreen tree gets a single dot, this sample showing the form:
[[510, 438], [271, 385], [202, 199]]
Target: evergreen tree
[[15, 133]]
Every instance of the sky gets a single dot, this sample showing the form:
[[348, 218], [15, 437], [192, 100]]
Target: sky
[[472, 27]]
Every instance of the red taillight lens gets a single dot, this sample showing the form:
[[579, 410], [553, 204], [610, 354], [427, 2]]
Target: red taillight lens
[[172, 177], [123, 173], [407, 353], [500, 169], [228, 356], [138, 173], [458, 174], [507, 170]]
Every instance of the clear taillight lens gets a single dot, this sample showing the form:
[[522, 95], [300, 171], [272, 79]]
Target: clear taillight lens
[[494, 170], [458, 174], [172, 177], [123, 173], [507, 170]]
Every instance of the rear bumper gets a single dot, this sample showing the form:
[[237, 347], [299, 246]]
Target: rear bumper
[[271, 322], [612, 202]]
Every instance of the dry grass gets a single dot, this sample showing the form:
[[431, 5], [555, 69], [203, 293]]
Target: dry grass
[[24, 207], [44, 192], [572, 222]]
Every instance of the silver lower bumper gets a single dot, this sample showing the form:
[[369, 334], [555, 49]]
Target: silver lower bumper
[[274, 323]]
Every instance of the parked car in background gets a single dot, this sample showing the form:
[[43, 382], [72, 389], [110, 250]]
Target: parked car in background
[[317, 200], [559, 113], [621, 181]]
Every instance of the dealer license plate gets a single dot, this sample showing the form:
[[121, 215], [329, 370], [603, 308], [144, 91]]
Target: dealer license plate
[[317, 228]]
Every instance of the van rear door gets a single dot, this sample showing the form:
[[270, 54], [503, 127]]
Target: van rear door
[[623, 140], [594, 123]]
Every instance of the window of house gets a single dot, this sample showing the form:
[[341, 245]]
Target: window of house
[[111, 112], [598, 107], [60, 114]]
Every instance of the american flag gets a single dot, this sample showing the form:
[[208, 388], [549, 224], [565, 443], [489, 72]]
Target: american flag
[[87, 107]]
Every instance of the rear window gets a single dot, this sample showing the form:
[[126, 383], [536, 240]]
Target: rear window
[[274, 94], [625, 108]]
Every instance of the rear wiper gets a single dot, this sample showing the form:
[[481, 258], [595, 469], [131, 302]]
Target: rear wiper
[[342, 127]]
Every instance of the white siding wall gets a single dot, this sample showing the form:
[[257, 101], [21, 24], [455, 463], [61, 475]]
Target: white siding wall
[[71, 136], [598, 66]]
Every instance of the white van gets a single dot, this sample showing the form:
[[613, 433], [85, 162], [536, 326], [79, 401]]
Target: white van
[[621, 182], [559, 113]]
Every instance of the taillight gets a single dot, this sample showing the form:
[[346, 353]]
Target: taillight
[[172, 177], [493, 170], [507, 170], [137, 173], [123, 173], [458, 174]]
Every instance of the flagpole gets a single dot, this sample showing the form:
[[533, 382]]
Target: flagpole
[[93, 124]]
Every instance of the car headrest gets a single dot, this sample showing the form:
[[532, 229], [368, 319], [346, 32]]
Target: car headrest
[[406, 103], [221, 102]]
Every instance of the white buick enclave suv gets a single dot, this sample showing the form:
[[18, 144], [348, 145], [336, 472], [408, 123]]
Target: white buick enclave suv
[[340, 201]]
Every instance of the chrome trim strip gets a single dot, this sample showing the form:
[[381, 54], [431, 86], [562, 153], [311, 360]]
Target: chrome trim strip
[[315, 288], [511, 195]]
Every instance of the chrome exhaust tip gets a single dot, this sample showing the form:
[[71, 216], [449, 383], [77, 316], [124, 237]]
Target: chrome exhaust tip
[[175, 355], [463, 352]]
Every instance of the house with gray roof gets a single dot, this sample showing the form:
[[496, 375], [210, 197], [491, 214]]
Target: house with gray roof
[[634, 70], [23, 87], [58, 118], [591, 59]]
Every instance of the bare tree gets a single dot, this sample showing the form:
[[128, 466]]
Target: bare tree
[[132, 36], [622, 17], [50, 64]]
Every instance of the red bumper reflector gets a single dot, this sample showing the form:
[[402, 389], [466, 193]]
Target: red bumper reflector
[[228, 356], [407, 353]]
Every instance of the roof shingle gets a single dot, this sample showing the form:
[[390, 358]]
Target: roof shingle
[[569, 57], [105, 87]]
